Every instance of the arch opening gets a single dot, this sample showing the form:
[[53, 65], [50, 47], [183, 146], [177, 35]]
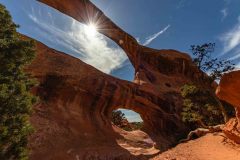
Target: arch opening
[[127, 120], [130, 126], [83, 41]]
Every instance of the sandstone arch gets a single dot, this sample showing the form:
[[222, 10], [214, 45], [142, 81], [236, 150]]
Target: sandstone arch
[[77, 99], [76, 102]]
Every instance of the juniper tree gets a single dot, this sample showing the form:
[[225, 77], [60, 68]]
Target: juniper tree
[[118, 117], [15, 98], [201, 105], [214, 66]]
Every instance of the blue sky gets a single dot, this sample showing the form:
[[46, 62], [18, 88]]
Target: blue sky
[[160, 24], [131, 115]]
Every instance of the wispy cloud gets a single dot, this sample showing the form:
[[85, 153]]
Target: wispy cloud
[[138, 39], [227, 1], [236, 56], [224, 13], [181, 4], [95, 50], [154, 36], [231, 39]]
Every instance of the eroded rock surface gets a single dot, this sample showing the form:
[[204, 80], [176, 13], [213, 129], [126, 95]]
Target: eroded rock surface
[[229, 91], [77, 101], [73, 119]]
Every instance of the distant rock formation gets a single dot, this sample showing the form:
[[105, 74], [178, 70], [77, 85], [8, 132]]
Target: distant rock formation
[[229, 91], [77, 100]]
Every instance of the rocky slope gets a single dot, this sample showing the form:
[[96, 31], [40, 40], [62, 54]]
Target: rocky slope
[[77, 100], [229, 91]]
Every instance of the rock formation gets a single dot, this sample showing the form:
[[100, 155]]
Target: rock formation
[[229, 91], [73, 118]]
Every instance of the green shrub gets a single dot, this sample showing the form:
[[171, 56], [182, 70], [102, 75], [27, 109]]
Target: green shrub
[[118, 117], [200, 107], [15, 98], [136, 125]]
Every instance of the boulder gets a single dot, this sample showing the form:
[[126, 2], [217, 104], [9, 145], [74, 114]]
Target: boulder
[[229, 91]]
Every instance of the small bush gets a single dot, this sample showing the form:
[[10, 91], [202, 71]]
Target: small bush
[[118, 117], [200, 107]]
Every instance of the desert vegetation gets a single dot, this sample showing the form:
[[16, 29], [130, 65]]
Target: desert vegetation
[[119, 119], [73, 118], [15, 98], [201, 107]]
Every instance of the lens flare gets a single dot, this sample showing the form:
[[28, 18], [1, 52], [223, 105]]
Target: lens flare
[[91, 30]]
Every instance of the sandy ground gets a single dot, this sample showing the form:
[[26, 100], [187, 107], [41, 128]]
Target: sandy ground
[[209, 147], [136, 142]]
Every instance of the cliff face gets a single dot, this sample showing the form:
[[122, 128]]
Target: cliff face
[[73, 118], [77, 101], [229, 91]]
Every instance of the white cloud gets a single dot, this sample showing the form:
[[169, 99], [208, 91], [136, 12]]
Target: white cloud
[[231, 39], [224, 13], [94, 50], [236, 56], [138, 39], [154, 36]]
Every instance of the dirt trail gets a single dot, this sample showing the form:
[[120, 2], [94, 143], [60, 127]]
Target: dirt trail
[[209, 147], [136, 142]]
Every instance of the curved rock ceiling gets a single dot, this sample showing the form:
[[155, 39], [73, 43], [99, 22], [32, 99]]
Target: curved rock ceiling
[[77, 100]]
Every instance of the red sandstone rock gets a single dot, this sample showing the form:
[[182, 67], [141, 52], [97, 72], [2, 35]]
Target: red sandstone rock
[[77, 100], [232, 130], [73, 118], [229, 91], [229, 88], [210, 147]]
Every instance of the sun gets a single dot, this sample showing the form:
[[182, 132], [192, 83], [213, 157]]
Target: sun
[[91, 30]]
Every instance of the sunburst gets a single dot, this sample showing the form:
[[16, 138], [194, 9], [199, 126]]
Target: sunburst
[[91, 30]]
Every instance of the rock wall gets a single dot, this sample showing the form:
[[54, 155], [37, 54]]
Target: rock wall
[[229, 91], [77, 101], [73, 118]]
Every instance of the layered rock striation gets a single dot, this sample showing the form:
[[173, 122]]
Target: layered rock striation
[[73, 119]]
